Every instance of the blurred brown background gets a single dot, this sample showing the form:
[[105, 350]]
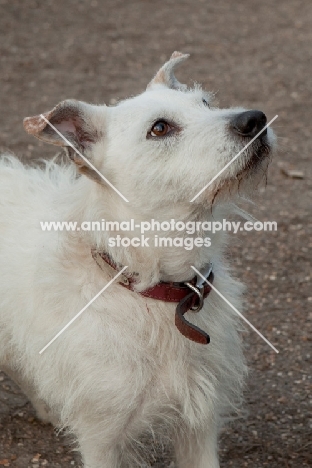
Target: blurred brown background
[[256, 54]]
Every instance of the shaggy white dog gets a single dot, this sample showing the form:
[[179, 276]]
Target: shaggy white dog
[[123, 370]]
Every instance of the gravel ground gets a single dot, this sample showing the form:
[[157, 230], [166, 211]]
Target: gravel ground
[[254, 54]]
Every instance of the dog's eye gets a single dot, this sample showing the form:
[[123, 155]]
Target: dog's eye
[[160, 129], [206, 103]]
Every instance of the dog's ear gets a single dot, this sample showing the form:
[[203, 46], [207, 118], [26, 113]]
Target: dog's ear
[[165, 76], [70, 118], [68, 125]]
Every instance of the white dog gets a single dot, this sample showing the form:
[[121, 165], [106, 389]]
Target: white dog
[[131, 365]]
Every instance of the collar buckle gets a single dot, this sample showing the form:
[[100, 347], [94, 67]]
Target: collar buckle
[[199, 286], [199, 292]]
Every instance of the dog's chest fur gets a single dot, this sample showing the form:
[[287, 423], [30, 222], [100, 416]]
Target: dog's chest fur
[[123, 360]]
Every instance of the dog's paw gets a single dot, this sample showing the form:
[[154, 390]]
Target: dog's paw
[[44, 413]]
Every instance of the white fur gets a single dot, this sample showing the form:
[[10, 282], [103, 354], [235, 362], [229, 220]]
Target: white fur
[[122, 371]]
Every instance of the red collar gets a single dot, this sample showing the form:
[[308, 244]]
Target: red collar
[[189, 295]]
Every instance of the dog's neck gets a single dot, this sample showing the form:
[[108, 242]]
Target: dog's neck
[[153, 263]]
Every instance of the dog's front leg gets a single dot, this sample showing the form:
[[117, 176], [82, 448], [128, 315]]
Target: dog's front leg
[[197, 450], [95, 455]]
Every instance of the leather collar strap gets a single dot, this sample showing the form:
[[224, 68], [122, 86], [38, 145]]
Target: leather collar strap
[[189, 295]]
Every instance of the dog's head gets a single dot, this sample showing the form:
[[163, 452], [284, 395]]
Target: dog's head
[[163, 146]]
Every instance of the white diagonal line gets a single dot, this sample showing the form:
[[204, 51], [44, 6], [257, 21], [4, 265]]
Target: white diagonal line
[[82, 310], [245, 215], [85, 159], [235, 310], [232, 160]]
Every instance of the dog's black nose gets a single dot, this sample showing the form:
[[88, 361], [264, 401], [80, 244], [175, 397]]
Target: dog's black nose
[[249, 123]]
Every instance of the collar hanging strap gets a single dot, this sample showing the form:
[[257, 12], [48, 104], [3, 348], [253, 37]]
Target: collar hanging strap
[[189, 295], [194, 302]]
